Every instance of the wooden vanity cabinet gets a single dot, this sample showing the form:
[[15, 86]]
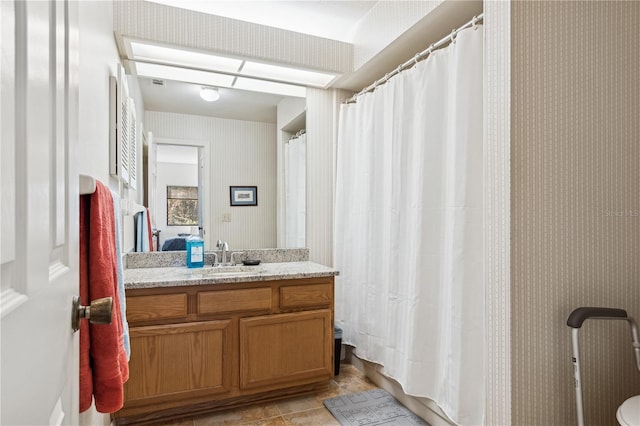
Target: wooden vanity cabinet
[[177, 361], [210, 347], [276, 350]]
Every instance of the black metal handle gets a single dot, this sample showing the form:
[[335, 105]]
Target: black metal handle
[[580, 315]]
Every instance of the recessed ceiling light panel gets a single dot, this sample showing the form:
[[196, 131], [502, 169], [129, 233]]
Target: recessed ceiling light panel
[[167, 55], [293, 75], [270, 87], [183, 74]]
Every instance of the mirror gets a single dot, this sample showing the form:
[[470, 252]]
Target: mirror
[[242, 140], [178, 201]]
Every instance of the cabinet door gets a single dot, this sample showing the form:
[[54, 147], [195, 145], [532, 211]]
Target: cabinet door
[[171, 362], [291, 349]]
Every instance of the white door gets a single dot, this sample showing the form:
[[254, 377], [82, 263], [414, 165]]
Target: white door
[[152, 149], [39, 252], [201, 188]]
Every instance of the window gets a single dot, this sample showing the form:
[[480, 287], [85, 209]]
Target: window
[[182, 205]]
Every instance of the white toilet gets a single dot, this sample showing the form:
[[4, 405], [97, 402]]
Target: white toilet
[[628, 413]]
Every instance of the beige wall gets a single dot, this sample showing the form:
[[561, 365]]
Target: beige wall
[[395, 17], [289, 109], [322, 134], [320, 141], [98, 60], [497, 205], [575, 146]]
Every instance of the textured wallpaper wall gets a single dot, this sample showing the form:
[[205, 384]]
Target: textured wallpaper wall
[[575, 209], [497, 204], [322, 119], [395, 17]]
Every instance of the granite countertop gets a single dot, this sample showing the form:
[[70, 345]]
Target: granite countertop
[[182, 276], [165, 259]]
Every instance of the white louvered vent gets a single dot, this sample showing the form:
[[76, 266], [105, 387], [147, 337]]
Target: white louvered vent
[[119, 138], [133, 146], [125, 139]]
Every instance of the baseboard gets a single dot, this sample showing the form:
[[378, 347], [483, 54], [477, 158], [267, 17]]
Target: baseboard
[[422, 407]]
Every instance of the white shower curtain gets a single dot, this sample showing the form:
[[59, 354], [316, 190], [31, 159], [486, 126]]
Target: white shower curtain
[[408, 228], [295, 169]]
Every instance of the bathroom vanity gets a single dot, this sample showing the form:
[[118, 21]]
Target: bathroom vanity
[[207, 339]]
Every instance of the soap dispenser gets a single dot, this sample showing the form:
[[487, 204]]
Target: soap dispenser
[[195, 252]]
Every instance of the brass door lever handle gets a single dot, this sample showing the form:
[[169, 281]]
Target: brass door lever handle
[[98, 312]]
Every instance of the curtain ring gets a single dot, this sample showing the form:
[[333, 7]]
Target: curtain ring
[[453, 36], [431, 49], [474, 22], [416, 59]]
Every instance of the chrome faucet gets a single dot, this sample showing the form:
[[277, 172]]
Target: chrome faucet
[[222, 245]]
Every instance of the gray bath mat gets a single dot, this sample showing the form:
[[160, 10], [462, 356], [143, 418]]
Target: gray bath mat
[[374, 407]]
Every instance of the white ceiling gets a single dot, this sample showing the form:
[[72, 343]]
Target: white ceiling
[[336, 20], [184, 98], [177, 154]]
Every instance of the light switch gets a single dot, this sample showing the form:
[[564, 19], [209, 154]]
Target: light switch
[[226, 217]]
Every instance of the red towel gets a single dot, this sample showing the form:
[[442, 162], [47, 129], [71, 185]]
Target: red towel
[[149, 232], [103, 360], [86, 382]]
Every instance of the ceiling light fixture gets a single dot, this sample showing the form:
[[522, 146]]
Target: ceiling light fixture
[[209, 94]]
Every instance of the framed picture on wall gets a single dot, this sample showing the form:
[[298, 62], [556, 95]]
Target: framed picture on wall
[[244, 195]]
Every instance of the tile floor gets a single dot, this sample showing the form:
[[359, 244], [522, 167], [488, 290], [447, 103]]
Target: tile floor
[[305, 410]]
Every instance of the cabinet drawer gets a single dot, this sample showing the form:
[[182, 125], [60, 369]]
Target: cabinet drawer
[[226, 301], [156, 307], [304, 296]]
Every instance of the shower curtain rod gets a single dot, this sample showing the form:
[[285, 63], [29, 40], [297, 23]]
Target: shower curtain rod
[[417, 58]]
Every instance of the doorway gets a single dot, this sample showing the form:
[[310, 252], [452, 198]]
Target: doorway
[[177, 184]]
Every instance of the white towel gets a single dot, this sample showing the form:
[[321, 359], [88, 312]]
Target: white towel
[[117, 209], [142, 231]]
